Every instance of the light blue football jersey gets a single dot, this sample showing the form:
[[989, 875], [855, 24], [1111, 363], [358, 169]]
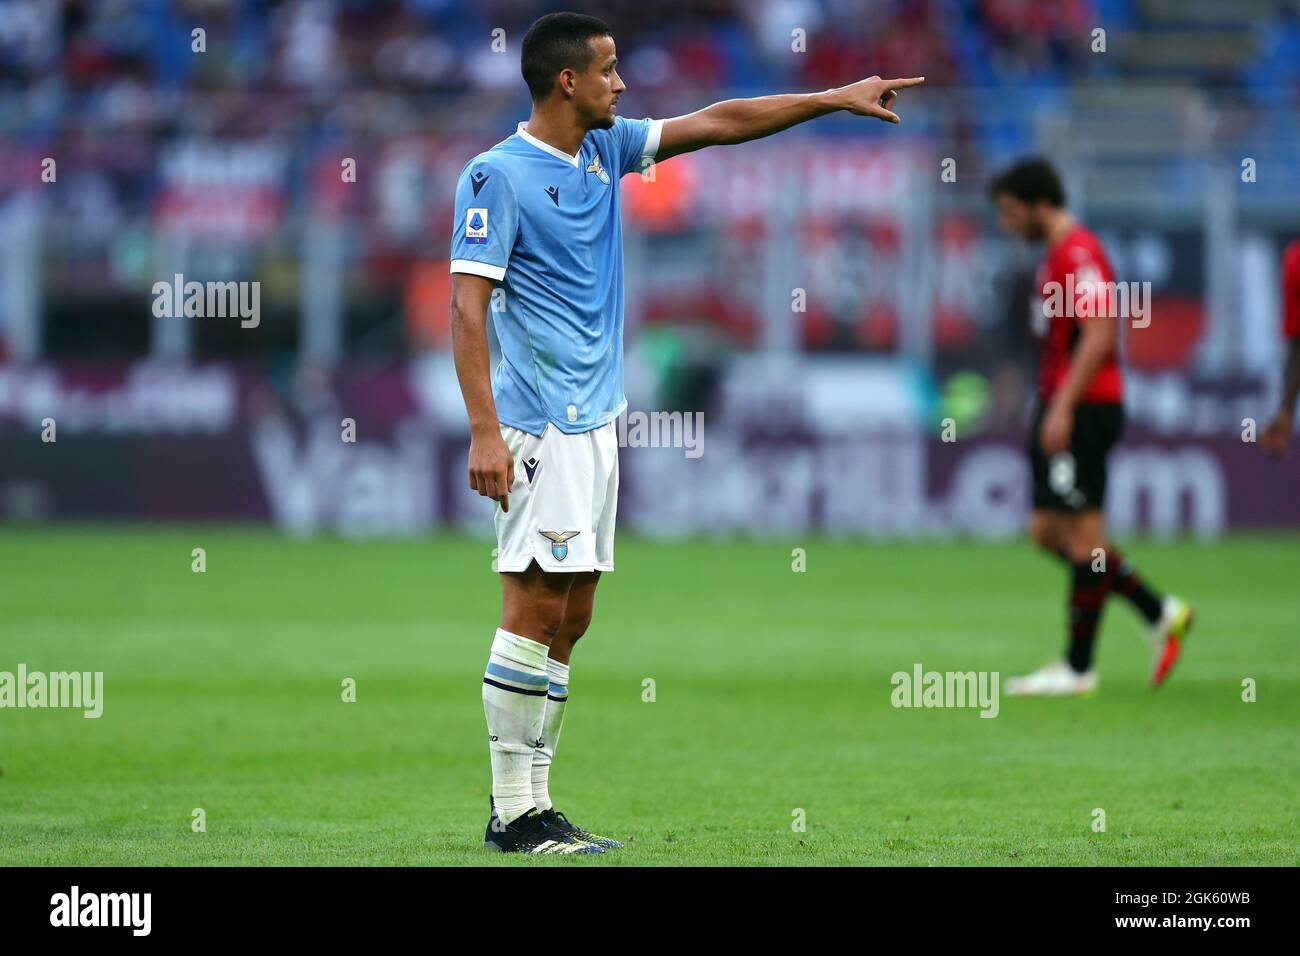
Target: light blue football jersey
[[545, 226]]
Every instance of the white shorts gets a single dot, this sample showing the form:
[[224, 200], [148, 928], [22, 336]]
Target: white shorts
[[563, 501]]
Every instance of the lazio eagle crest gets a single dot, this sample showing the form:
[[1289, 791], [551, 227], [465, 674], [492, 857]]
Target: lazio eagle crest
[[599, 170], [559, 542]]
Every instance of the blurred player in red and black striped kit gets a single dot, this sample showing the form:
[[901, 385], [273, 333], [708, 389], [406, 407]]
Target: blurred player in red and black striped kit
[[1278, 432], [1078, 418]]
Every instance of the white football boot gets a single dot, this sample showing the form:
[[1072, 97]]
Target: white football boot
[[1057, 679]]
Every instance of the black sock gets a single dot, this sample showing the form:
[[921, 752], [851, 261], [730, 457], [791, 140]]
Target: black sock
[[1088, 593], [1130, 584]]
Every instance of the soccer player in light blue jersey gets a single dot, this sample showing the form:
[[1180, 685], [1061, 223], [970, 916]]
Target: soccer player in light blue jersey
[[537, 222]]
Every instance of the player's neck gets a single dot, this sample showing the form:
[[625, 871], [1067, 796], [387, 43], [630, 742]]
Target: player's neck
[[1059, 223], [555, 129]]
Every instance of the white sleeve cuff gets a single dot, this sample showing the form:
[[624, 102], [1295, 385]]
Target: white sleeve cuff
[[651, 145], [486, 270]]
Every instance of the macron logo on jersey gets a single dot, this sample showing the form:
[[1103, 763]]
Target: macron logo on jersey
[[476, 225], [478, 180]]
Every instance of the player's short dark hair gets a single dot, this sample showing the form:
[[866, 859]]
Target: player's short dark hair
[[556, 42], [1030, 180]]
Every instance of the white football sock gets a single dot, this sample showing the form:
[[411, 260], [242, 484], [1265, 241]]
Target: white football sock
[[557, 695], [514, 701]]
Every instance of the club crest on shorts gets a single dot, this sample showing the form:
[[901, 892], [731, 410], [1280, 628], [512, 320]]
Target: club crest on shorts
[[599, 170], [559, 542]]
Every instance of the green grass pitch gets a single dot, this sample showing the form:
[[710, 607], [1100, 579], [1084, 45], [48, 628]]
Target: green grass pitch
[[772, 695]]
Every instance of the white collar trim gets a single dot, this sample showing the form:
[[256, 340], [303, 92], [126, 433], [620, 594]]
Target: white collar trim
[[528, 137]]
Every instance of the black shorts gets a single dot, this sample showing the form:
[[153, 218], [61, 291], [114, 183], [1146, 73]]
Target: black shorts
[[1076, 480]]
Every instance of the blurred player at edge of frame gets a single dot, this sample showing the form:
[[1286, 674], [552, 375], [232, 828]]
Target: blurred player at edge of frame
[[537, 217], [1078, 418], [1278, 432]]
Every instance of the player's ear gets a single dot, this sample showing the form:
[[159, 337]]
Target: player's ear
[[568, 81]]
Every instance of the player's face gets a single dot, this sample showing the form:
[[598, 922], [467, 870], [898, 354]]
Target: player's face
[[1019, 218], [597, 88]]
